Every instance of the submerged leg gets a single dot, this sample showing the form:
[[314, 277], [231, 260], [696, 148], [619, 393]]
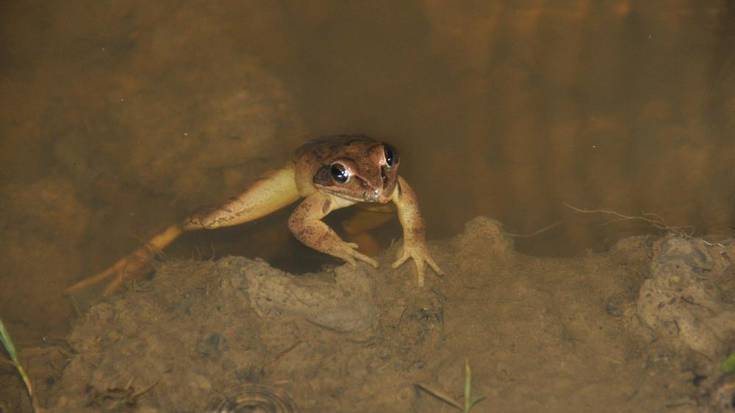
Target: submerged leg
[[265, 196], [134, 265], [367, 217]]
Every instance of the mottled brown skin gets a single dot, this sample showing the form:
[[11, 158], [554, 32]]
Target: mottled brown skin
[[372, 179], [316, 174]]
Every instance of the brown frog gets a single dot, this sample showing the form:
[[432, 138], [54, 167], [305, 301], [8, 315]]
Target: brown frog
[[329, 173]]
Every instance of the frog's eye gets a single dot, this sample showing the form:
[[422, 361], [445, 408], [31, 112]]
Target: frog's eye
[[391, 155], [339, 173]]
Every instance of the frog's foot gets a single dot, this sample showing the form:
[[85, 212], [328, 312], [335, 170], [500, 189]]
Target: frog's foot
[[134, 266], [421, 257], [348, 252]]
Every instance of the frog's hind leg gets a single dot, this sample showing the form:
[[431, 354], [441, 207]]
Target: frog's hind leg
[[267, 195], [270, 193]]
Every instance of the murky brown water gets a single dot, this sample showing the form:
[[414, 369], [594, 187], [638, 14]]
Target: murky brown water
[[120, 117]]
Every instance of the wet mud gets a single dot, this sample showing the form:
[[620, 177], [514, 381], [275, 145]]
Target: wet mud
[[641, 327]]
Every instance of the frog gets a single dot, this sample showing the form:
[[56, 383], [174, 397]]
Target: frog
[[327, 173]]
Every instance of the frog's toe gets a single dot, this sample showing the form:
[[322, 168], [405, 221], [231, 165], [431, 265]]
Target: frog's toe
[[403, 256], [350, 254], [420, 271], [349, 260], [420, 257], [364, 258], [134, 266], [433, 265]]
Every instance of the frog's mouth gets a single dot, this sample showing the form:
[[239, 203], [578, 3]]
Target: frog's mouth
[[377, 196]]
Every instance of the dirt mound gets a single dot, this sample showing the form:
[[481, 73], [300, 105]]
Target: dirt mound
[[541, 334]]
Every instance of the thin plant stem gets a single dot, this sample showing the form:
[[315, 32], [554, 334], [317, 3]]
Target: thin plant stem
[[7, 343]]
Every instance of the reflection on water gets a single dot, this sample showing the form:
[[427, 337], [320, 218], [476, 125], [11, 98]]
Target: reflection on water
[[119, 118]]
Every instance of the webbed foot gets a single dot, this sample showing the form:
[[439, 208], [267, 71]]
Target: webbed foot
[[133, 266], [421, 257]]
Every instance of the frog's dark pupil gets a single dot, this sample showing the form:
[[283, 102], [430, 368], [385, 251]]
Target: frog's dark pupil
[[389, 155], [339, 173]]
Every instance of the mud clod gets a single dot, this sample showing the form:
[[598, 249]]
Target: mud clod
[[682, 300]]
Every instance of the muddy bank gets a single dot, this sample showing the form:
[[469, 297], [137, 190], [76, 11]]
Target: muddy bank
[[592, 333]]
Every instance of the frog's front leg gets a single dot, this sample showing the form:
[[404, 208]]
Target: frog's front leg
[[307, 226], [414, 240]]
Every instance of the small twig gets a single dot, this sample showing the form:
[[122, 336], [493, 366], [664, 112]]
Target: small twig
[[652, 219], [144, 390], [439, 395], [537, 232], [469, 401], [286, 351], [655, 222]]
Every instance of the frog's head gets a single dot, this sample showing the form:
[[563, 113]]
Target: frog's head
[[364, 171]]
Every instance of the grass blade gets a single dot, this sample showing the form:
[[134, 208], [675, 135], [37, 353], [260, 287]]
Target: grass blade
[[467, 386], [728, 366], [7, 343]]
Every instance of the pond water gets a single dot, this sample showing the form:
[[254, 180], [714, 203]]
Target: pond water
[[574, 123]]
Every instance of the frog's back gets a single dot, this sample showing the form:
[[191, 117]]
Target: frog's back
[[324, 150], [319, 152]]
